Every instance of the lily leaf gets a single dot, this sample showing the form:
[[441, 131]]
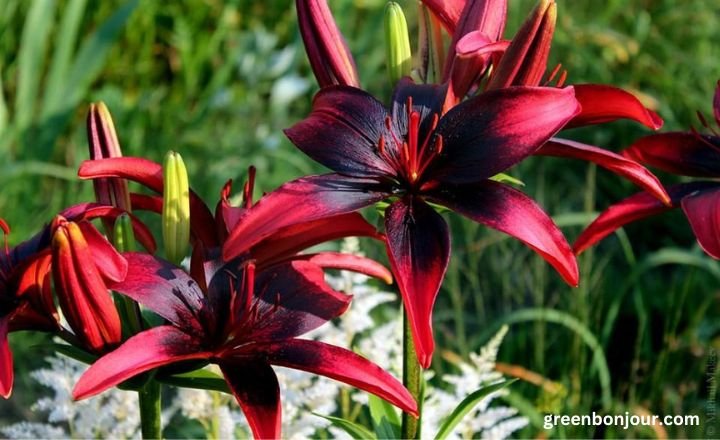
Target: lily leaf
[[353, 429], [385, 420], [506, 178], [198, 379], [70, 351], [466, 406]]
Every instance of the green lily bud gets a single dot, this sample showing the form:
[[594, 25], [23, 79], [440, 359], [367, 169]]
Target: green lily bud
[[399, 55], [176, 208], [124, 238]]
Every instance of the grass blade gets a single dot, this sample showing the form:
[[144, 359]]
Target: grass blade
[[466, 406], [62, 55], [353, 429], [33, 45]]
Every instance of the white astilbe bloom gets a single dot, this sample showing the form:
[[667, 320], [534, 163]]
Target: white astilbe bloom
[[113, 414], [497, 422]]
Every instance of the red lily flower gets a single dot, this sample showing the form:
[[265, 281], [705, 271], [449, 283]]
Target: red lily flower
[[683, 153], [26, 301], [210, 231], [83, 261], [414, 156], [246, 323]]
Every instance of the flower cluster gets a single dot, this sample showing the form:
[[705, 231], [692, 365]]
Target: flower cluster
[[239, 286]]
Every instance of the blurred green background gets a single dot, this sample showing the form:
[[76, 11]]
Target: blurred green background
[[219, 80]]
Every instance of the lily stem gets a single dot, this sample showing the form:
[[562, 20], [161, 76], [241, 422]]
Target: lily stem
[[150, 409], [412, 379]]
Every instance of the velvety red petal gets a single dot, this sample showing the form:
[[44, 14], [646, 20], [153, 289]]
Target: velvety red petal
[[149, 174], [339, 364], [296, 238], [6, 360], [300, 201], [343, 132], [633, 208], [613, 162], [289, 300], [147, 350], [256, 389], [703, 212], [166, 290], [418, 246], [354, 263], [601, 103], [112, 265], [508, 210], [488, 134], [448, 11], [687, 154]]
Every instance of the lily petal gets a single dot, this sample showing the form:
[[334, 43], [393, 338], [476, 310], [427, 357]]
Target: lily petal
[[613, 162], [288, 300], [6, 360], [687, 154], [339, 364], [256, 389], [166, 290], [112, 265], [634, 208], [354, 263], [601, 103], [448, 11], [296, 238], [150, 174], [343, 132], [508, 210], [147, 350], [488, 134], [418, 245], [703, 212], [310, 198]]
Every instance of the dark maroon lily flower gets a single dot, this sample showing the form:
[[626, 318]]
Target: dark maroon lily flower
[[683, 153], [245, 323], [413, 156]]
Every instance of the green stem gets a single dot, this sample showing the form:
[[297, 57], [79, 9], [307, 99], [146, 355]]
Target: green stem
[[150, 409], [412, 379]]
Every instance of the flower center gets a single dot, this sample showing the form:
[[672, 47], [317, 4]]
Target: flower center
[[414, 152]]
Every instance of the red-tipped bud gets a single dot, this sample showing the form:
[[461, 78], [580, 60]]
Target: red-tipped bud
[[82, 262], [103, 144], [525, 60], [326, 48], [484, 16]]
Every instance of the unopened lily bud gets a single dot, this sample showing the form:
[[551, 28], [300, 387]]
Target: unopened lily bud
[[327, 51], [525, 60], [176, 208], [103, 143], [397, 43], [82, 262]]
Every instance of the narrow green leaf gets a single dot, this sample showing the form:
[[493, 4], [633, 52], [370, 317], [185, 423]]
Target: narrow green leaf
[[466, 406], [91, 57], [3, 106], [32, 167], [70, 351], [198, 379], [385, 419], [62, 55], [353, 429], [33, 45]]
